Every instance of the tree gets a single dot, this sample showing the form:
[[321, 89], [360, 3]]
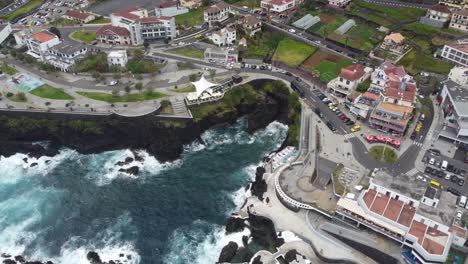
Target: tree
[[206, 2], [146, 45], [55, 31], [193, 77], [138, 54], [115, 92], [127, 89], [139, 86], [165, 103], [21, 96]]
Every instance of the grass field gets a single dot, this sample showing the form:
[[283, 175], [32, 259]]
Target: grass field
[[330, 70], [385, 154], [187, 89], [24, 9], [415, 62], [426, 30], [188, 52], [64, 22], [134, 97], [85, 36], [5, 68], [262, 45], [190, 19], [100, 20], [293, 53], [361, 36], [47, 91]]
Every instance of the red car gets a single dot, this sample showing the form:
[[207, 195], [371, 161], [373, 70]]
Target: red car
[[343, 117]]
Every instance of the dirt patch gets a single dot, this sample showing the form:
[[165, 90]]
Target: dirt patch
[[315, 60], [326, 18]]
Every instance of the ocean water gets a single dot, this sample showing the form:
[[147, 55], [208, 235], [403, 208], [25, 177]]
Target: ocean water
[[170, 213]]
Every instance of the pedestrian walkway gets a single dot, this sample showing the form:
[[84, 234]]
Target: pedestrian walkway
[[349, 135], [412, 172], [419, 144]]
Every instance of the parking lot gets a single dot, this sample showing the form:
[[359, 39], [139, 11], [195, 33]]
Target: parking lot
[[451, 174]]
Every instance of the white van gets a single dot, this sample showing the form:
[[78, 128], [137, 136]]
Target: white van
[[444, 165], [462, 201]]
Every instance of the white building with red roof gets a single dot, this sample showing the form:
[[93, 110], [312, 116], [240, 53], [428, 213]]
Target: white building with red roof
[[141, 27], [278, 6], [79, 16], [40, 43], [413, 213], [388, 72], [349, 79], [437, 16], [112, 35]]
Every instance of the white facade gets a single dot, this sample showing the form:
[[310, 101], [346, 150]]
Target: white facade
[[460, 20], [64, 56], [349, 79], [339, 3], [170, 11], [117, 57], [40, 43], [216, 13], [5, 31], [225, 36], [277, 6]]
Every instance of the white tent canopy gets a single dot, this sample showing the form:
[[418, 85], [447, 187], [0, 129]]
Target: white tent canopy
[[201, 85]]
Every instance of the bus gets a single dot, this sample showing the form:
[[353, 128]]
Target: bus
[[436, 184]]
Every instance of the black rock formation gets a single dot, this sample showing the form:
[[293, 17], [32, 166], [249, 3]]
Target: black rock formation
[[93, 258], [234, 224], [134, 170], [228, 252], [259, 186]]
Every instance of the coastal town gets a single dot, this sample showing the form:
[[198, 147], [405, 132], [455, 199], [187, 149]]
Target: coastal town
[[376, 94]]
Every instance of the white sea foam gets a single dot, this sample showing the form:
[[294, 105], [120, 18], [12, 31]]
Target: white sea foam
[[289, 236]]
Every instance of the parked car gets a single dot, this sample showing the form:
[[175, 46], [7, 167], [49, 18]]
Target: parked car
[[461, 182], [350, 122], [432, 161], [413, 136], [428, 170], [425, 159], [331, 126], [318, 112], [454, 178], [338, 112], [437, 163], [441, 174], [434, 172], [356, 128], [435, 152], [466, 157]]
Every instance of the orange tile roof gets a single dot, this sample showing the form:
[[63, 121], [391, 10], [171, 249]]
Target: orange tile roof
[[372, 96], [43, 36], [353, 72], [395, 108]]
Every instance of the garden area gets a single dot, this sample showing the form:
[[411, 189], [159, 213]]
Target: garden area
[[188, 52], [49, 92], [190, 19], [292, 53], [187, 89], [325, 66], [84, 36], [384, 154], [129, 97], [5, 68], [64, 22], [262, 45], [415, 62], [100, 20], [31, 5]]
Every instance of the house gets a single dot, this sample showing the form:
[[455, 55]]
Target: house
[[278, 6], [5, 31], [79, 16], [170, 9], [109, 34], [117, 57], [419, 217], [400, 93], [456, 52], [216, 13], [361, 104], [250, 24], [64, 56], [349, 79], [459, 75], [40, 43], [224, 37], [394, 43], [133, 26], [222, 55], [387, 72], [191, 4], [458, 4], [436, 16], [459, 20], [339, 3]]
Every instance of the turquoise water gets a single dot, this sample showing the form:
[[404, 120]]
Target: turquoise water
[[169, 213]]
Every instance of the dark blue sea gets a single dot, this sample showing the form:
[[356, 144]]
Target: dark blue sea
[[169, 213]]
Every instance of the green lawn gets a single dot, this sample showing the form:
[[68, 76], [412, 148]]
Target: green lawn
[[415, 62], [47, 91], [426, 30], [24, 9], [262, 45], [190, 19], [293, 53], [384, 154], [85, 36], [100, 20], [361, 36], [64, 22], [187, 89], [5, 68], [188, 52], [330, 70], [134, 97], [326, 29]]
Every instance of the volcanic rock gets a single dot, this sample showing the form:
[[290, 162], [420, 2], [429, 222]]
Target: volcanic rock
[[228, 252]]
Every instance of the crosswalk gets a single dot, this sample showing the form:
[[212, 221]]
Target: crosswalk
[[349, 135], [412, 172], [419, 144]]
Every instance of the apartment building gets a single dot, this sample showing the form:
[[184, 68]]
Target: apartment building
[[250, 24], [141, 28], [117, 58], [216, 13], [413, 213], [5, 31], [455, 3], [170, 9], [349, 79], [40, 43], [224, 37], [436, 16], [278, 6], [222, 55], [385, 73], [339, 3], [64, 56], [459, 20], [456, 52]]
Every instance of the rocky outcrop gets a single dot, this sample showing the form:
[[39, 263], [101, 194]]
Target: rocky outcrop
[[93, 258], [134, 170], [228, 252], [259, 186], [9, 261], [234, 224], [262, 231]]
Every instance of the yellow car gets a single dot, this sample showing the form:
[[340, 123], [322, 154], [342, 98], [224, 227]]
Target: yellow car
[[418, 128], [356, 128], [331, 107]]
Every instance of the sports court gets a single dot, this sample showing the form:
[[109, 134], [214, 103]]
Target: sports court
[[25, 82]]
